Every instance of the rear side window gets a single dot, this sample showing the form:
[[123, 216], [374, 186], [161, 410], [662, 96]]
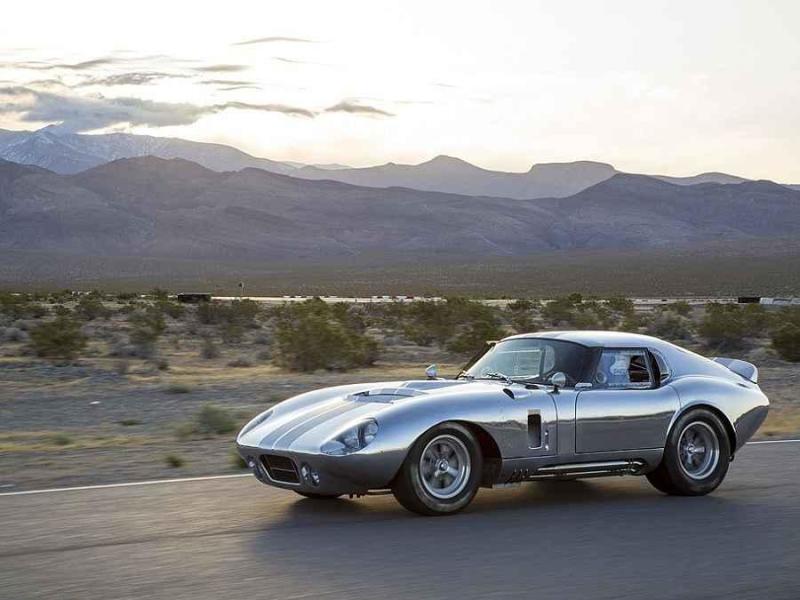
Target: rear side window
[[623, 369], [663, 368]]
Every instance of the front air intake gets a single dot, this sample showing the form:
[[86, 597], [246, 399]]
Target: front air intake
[[280, 468]]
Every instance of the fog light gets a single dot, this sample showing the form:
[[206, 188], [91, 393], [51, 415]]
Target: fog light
[[309, 475], [251, 463]]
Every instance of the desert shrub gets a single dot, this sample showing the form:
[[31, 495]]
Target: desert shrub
[[121, 367], [13, 334], [721, 327], [158, 294], [474, 335], [312, 336], [458, 324], [240, 363], [262, 339], [264, 355], [129, 422], [177, 388], [20, 306], [209, 349], [680, 307], [91, 307], [213, 419], [670, 327], [171, 309], [146, 327], [239, 312], [162, 364], [786, 341], [522, 304], [61, 439], [174, 461], [727, 326], [559, 310], [620, 304], [231, 332], [60, 338]]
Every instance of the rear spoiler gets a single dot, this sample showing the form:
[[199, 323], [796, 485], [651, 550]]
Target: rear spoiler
[[742, 368]]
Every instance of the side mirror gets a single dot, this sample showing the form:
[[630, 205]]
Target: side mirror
[[558, 380], [432, 372]]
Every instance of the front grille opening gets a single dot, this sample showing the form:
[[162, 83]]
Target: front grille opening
[[280, 468]]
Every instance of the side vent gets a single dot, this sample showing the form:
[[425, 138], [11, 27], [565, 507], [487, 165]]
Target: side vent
[[534, 430]]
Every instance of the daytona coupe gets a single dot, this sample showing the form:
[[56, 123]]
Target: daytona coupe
[[555, 405]]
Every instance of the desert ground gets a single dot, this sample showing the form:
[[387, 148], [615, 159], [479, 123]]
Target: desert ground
[[123, 409]]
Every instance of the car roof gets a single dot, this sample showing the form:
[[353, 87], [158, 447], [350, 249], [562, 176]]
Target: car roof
[[594, 339]]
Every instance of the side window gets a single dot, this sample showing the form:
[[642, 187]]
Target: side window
[[663, 368], [623, 369]]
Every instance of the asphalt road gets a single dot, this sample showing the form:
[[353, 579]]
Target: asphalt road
[[234, 538]]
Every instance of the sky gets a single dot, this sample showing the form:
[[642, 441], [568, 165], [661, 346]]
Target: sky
[[670, 87]]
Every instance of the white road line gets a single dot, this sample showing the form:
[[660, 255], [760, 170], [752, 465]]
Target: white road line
[[128, 484], [212, 477]]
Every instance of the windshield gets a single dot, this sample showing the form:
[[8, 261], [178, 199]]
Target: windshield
[[532, 360]]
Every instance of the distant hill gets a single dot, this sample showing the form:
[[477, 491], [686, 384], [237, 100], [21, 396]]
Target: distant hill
[[702, 178], [151, 207], [68, 153], [453, 175]]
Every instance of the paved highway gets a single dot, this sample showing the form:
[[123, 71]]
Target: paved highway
[[233, 538]]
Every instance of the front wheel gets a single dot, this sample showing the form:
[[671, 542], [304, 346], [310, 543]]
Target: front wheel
[[441, 473], [696, 456]]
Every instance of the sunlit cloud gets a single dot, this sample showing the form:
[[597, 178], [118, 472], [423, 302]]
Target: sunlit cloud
[[348, 106], [221, 68], [132, 78], [79, 113], [274, 39]]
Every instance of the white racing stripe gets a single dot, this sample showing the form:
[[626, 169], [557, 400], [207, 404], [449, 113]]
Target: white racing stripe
[[213, 477]]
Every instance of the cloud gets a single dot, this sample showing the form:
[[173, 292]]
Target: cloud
[[87, 113], [347, 106], [273, 39], [227, 82], [281, 108], [221, 68], [132, 78], [46, 66], [291, 61], [234, 88]]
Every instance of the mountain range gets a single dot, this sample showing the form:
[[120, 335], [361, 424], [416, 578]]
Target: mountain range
[[70, 153], [174, 208]]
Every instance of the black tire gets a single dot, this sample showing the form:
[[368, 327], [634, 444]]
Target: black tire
[[314, 496], [696, 456], [413, 487]]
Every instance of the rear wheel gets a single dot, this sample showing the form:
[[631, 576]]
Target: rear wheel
[[441, 473], [696, 456]]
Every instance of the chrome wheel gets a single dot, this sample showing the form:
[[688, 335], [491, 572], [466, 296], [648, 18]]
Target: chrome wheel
[[698, 450], [444, 467]]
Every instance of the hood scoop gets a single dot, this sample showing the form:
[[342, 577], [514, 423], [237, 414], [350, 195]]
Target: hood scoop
[[408, 389], [387, 395]]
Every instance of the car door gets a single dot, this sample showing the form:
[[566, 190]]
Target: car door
[[625, 408]]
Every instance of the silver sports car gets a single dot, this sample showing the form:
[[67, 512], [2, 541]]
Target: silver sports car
[[555, 405]]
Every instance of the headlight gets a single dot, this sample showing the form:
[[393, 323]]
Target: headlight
[[352, 439], [256, 422]]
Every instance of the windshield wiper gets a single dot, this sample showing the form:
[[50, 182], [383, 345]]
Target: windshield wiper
[[496, 375]]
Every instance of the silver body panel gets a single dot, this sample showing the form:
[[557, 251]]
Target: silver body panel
[[530, 433]]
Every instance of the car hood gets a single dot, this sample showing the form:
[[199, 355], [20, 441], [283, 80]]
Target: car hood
[[310, 419]]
